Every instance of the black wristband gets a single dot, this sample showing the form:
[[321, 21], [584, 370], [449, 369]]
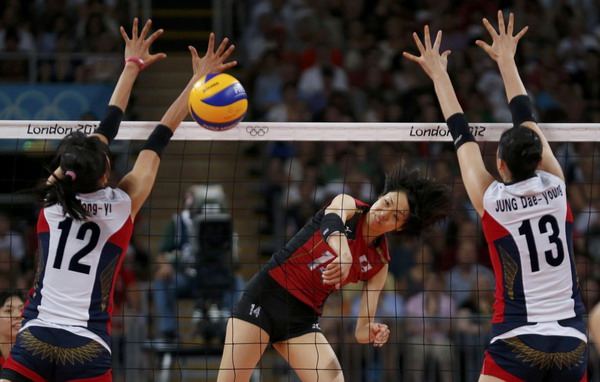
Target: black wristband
[[521, 110], [459, 129], [158, 140], [109, 126], [330, 224]]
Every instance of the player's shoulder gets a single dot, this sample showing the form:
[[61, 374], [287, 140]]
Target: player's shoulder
[[116, 194], [549, 178], [107, 194], [541, 181]]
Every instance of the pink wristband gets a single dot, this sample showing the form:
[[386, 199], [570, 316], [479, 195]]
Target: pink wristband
[[137, 60]]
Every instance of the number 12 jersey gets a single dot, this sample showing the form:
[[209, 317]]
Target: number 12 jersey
[[78, 264]]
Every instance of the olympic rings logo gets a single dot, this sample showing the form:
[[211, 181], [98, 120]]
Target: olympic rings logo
[[49, 103], [257, 131]]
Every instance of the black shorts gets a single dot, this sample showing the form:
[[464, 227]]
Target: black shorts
[[269, 306]]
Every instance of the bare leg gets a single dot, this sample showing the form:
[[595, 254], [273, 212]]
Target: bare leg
[[244, 345], [594, 324], [312, 358]]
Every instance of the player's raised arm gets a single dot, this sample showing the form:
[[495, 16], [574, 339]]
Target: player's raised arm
[[137, 57], [502, 50], [139, 181], [474, 174]]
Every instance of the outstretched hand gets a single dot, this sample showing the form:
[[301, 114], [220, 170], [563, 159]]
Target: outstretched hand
[[504, 44], [139, 46], [212, 62], [432, 62]]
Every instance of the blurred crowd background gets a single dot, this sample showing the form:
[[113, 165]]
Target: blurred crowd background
[[341, 61]]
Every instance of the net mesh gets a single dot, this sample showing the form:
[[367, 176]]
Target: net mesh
[[247, 191]]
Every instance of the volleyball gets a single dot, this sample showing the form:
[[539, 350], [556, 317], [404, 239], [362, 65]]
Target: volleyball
[[218, 102]]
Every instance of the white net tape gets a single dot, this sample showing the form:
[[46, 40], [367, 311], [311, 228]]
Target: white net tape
[[302, 131]]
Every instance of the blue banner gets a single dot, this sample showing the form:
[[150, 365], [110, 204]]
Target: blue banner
[[54, 102]]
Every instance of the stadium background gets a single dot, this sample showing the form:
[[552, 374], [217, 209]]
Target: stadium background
[[300, 61]]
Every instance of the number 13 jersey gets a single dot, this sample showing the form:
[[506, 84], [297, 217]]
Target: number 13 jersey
[[78, 263], [528, 227]]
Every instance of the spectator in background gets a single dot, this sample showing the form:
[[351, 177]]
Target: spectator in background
[[411, 280], [172, 279], [12, 252], [58, 25], [11, 307], [15, 35], [90, 28], [317, 83], [463, 279], [14, 68], [61, 67], [428, 345], [472, 327], [268, 83], [291, 109]]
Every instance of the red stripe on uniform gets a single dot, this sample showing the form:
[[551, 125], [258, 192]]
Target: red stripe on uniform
[[491, 368], [42, 223], [24, 371], [121, 239], [569, 213], [123, 235], [494, 231]]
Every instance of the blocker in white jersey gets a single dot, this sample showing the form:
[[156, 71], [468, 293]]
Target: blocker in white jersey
[[528, 227], [79, 262], [538, 329], [84, 229]]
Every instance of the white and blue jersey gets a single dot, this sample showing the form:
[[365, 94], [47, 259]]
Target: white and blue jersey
[[78, 264], [528, 228]]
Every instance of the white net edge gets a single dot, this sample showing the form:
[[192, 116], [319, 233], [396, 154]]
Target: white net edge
[[301, 131]]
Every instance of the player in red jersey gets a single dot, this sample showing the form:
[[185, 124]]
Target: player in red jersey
[[342, 243], [538, 332]]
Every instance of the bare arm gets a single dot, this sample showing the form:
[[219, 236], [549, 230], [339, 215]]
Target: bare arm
[[366, 329], [475, 176], [139, 181], [336, 272], [502, 50], [138, 46]]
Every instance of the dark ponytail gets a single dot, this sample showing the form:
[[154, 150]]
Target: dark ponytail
[[83, 161], [521, 149]]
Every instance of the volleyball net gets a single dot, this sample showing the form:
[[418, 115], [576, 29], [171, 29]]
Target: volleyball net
[[223, 202]]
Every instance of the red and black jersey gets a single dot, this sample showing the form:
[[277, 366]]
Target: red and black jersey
[[298, 266]]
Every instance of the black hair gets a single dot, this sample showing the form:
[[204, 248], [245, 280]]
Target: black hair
[[429, 201], [6, 294], [521, 149], [86, 157]]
